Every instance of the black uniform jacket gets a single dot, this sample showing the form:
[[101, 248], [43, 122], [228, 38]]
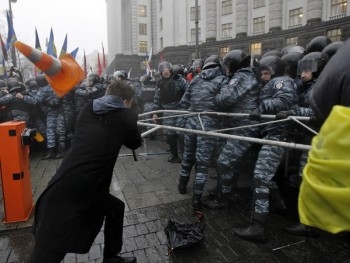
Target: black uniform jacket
[[69, 213], [333, 85]]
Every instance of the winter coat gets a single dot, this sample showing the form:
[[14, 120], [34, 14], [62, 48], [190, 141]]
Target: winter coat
[[69, 213], [333, 85]]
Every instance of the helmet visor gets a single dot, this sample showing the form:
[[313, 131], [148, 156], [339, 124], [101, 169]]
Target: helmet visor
[[307, 65]]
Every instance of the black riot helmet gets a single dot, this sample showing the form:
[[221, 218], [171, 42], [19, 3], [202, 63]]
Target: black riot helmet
[[2, 84], [317, 44], [332, 48], [145, 78], [273, 53], [212, 62], [291, 60], [13, 85], [120, 74], [314, 62], [165, 69], [41, 80], [235, 60], [93, 79], [292, 49], [274, 64], [178, 70], [198, 63], [32, 84]]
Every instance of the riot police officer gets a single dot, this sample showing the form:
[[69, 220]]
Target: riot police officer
[[167, 96]]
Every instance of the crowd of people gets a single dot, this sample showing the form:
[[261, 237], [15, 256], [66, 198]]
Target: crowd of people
[[279, 83]]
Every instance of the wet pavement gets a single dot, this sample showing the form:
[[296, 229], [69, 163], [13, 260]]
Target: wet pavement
[[149, 189]]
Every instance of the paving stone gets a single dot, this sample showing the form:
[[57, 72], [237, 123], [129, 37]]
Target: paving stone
[[142, 229], [152, 239], [151, 185], [141, 242], [129, 244], [141, 256], [130, 231]]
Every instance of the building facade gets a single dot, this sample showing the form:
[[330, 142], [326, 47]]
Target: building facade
[[180, 30]]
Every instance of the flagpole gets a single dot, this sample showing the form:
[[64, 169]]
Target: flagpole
[[13, 51]]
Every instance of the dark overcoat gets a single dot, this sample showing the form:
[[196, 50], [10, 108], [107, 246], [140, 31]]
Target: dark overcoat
[[69, 213], [333, 85]]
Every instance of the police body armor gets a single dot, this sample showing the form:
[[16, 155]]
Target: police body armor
[[168, 91], [148, 91]]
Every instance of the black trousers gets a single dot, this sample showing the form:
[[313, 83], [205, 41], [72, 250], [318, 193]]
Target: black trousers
[[113, 235]]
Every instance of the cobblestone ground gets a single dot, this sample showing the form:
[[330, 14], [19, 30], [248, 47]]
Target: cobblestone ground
[[149, 189]]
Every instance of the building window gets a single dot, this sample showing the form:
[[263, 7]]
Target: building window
[[142, 29], [295, 17], [226, 31], [291, 41], [255, 49], [193, 35], [193, 13], [142, 10], [143, 46], [223, 51], [161, 43], [161, 24], [259, 25], [160, 5], [334, 34], [258, 3], [226, 7], [338, 8]]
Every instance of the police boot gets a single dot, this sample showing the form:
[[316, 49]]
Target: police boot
[[300, 229], [174, 157], [223, 187], [182, 184], [277, 204], [255, 231], [196, 198], [197, 203], [60, 152], [222, 201], [50, 154]]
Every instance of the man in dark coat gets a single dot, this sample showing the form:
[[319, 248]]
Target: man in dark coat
[[71, 210], [333, 85]]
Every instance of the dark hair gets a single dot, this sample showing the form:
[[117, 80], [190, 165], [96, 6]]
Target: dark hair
[[120, 89]]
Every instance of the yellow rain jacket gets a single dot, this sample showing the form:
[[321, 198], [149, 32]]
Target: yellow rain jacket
[[324, 198]]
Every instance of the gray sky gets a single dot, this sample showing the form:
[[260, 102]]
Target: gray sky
[[84, 21]]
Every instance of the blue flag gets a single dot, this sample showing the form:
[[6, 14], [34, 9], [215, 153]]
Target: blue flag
[[37, 42], [64, 47], [51, 48], [11, 35], [74, 52]]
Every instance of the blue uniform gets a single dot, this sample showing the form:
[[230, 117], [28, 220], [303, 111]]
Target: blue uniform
[[241, 95], [199, 97]]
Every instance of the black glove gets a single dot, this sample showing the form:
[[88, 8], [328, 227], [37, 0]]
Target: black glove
[[255, 115], [282, 115]]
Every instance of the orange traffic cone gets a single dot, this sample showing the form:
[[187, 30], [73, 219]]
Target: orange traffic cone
[[63, 74]]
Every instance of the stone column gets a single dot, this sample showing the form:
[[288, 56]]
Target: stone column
[[241, 18], [275, 15], [211, 15], [314, 11]]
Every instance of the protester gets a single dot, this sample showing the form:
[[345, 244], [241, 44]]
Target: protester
[[71, 210]]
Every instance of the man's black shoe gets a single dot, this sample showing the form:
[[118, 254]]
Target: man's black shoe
[[118, 259], [301, 230], [174, 159]]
